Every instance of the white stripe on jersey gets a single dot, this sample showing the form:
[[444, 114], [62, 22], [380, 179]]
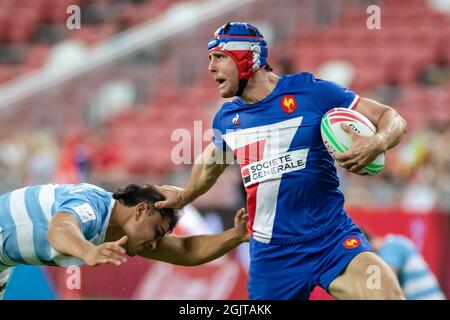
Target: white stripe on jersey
[[241, 138], [427, 282], [46, 199], [415, 264], [353, 104], [24, 227], [278, 138]]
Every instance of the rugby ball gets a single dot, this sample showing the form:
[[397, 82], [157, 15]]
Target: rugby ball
[[337, 141]]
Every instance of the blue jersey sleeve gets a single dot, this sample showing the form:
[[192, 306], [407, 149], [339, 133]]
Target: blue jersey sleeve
[[331, 95], [86, 213], [217, 132], [394, 254]]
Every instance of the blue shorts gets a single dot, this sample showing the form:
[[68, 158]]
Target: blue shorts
[[290, 272]]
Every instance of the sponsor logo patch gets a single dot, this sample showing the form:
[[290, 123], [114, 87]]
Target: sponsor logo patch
[[274, 168], [85, 212], [288, 103], [351, 243], [236, 120]]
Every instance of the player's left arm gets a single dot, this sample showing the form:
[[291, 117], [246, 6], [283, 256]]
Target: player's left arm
[[65, 236], [199, 249], [390, 129]]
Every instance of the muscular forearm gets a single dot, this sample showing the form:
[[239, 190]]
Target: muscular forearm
[[390, 129], [205, 248], [203, 177], [207, 168], [68, 240], [390, 125], [194, 250]]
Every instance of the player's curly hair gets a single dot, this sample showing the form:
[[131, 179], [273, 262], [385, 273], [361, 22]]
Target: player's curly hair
[[134, 194]]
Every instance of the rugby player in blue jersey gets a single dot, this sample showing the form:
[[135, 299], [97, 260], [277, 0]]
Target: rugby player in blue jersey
[[63, 225], [301, 235]]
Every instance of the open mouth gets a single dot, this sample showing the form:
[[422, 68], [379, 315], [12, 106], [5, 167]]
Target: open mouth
[[220, 81]]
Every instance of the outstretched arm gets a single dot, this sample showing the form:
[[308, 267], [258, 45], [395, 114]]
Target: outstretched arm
[[207, 168], [199, 249], [65, 236], [390, 129]]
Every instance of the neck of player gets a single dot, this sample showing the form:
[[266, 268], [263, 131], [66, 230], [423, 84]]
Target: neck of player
[[260, 85], [117, 220]]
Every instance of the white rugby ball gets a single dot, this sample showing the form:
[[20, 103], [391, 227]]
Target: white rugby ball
[[337, 141]]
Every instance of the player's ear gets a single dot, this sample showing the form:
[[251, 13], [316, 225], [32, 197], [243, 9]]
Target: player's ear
[[140, 210]]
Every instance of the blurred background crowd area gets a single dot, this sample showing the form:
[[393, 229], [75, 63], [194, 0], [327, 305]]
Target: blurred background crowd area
[[73, 111]]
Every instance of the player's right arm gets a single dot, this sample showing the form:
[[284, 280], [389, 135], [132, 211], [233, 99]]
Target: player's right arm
[[65, 236], [199, 249], [205, 171]]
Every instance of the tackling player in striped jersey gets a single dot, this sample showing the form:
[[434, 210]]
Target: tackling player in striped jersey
[[301, 235], [417, 280], [63, 225]]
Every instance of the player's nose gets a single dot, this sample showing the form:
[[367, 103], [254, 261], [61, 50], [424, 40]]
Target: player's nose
[[212, 66]]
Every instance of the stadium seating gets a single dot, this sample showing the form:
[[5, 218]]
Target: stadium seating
[[406, 43], [29, 28]]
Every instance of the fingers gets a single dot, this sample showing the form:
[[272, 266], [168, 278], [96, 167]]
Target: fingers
[[122, 241], [240, 212], [167, 189], [348, 130], [161, 204], [348, 164], [116, 262], [160, 189], [352, 166], [114, 254], [116, 259], [354, 169], [343, 156], [172, 195], [115, 248], [173, 188]]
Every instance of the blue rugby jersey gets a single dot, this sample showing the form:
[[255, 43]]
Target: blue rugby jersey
[[292, 188]]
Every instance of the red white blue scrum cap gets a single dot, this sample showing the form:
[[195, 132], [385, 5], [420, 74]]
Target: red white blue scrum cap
[[244, 44]]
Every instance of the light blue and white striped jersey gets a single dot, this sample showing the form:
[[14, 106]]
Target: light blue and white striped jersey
[[25, 215], [416, 279]]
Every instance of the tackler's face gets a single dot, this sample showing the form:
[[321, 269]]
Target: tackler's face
[[225, 73], [147, 228]]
